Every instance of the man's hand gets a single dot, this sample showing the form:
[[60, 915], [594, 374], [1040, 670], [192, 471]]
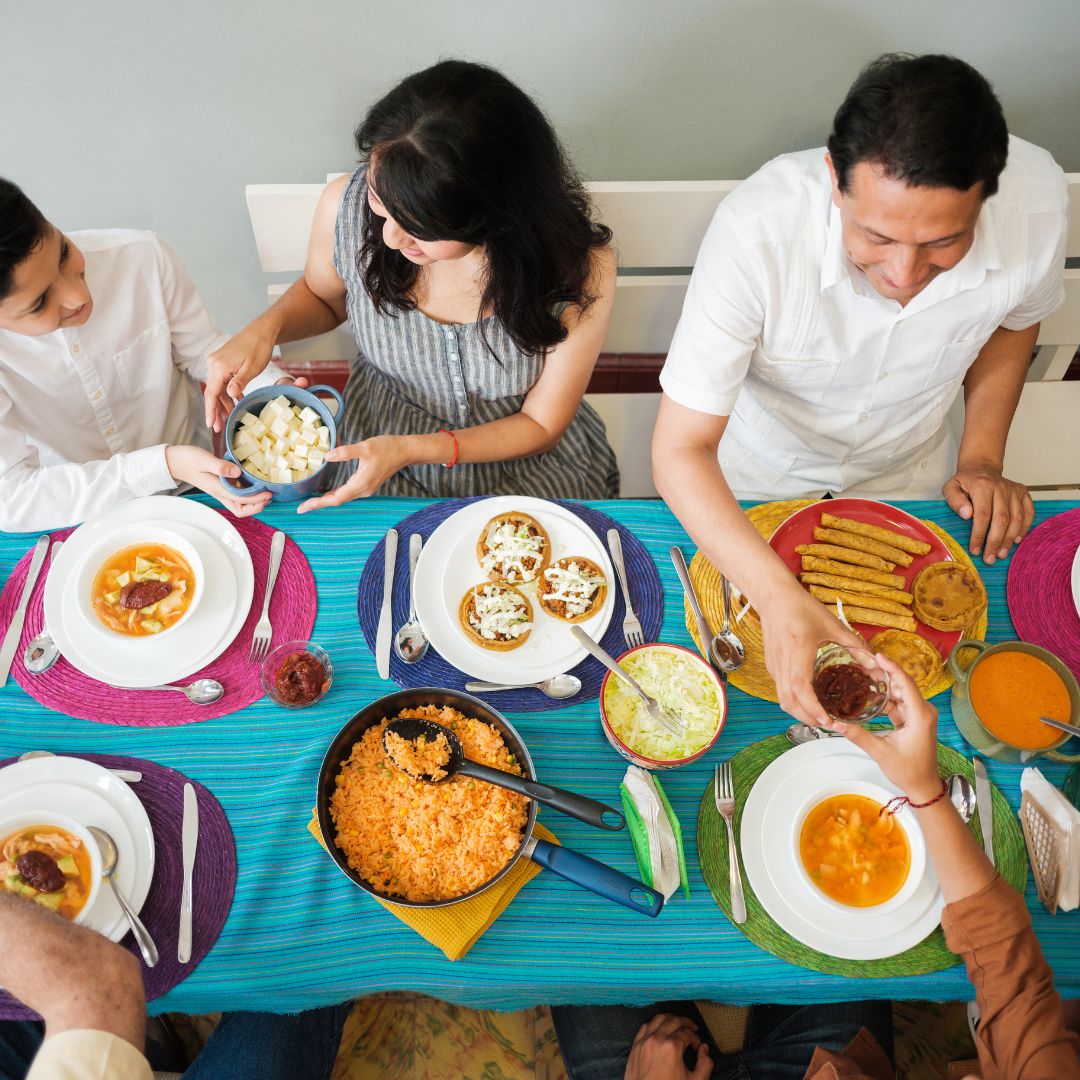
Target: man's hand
[[200, 469], [657, 1053], [231, 368], [1000, 510], [794, 626], [907, 755], [377, 459]]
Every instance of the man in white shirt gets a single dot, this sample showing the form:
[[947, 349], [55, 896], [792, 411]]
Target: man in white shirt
[[103, 341], [839, 302]]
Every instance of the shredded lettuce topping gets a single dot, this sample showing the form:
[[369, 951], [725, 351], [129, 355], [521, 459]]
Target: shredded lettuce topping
[[498, 614]]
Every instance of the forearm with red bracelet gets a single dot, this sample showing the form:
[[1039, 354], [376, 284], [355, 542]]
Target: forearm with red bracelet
[[896, 804], [457, 448]]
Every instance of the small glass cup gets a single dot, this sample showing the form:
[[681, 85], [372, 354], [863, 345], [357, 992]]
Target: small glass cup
[[272, 665], [831, 655]]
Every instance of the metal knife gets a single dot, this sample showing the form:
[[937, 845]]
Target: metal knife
[[382, 638], [190, 841], [704, 629], [985, 804], [14, 631]]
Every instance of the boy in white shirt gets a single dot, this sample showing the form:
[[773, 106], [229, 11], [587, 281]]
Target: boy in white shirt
[[103, 342]]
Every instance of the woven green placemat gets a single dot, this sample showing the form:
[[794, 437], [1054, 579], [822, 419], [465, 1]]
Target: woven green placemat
[[929, 955]]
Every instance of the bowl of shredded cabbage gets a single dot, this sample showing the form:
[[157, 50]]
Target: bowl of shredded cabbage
[[678, 679]]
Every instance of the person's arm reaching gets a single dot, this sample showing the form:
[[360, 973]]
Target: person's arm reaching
[[1022, 1033], [1000, 510], [688, 476]]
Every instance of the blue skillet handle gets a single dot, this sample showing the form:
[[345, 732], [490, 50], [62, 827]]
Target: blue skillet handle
[[598, 877], [242, 486]]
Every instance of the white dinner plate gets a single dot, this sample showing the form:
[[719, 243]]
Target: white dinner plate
[[448, 567], [783, 892], [1076, 581], [202, 638], [91, 795]]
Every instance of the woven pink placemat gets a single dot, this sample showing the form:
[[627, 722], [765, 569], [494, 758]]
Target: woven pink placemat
[[69, 691], [1039, 591]]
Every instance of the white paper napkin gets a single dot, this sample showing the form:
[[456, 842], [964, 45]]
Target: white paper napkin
[[663, 850], [1067, 818]]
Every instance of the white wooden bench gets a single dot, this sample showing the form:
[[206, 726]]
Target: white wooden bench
[[658, 226]]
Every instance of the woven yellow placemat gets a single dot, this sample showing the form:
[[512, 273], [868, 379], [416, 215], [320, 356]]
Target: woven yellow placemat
[[753, 677]]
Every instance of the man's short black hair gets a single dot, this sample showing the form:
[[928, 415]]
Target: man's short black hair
[[22, 228], [931, 121]]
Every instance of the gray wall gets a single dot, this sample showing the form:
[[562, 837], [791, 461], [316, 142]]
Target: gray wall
[[155, 115]]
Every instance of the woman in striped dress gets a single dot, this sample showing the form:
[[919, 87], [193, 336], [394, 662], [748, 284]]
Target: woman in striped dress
[[479, 290]]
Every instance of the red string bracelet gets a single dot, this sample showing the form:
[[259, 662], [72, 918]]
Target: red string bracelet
[[897, 803], [457, 448]]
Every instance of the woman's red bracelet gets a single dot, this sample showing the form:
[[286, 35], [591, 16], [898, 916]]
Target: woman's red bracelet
[[457, 448], [895, 805]]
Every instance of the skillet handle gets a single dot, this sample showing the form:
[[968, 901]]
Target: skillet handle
[[567, 802], [597, 877]]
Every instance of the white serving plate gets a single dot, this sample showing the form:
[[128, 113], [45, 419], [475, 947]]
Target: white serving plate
[[200, 639], [1076, 581], [90, 795], [798, 908], [448, 567]]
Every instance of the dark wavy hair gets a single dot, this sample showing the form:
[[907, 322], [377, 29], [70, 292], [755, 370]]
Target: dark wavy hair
[[22, 229], [460, 153], [931, 121]]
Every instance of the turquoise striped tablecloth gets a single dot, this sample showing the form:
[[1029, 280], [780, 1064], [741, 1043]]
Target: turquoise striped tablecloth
[[299, 934]]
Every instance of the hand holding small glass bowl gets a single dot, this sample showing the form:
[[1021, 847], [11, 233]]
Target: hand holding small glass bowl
[[297, 674], [850, 684]]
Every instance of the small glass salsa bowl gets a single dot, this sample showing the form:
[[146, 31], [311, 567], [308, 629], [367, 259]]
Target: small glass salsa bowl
[[850, 684], [289, 682]]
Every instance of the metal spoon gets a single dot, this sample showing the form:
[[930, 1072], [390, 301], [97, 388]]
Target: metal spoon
[[717, 650], [200, 692], [109, 858], [130, 776], [962, 795], [727, 641], [1072, 729], [800, 733], [410, 642], [41, 651], [567, 802], [557, 687]]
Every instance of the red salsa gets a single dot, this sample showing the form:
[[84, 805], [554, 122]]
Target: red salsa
[[843, 690], [301, 679]]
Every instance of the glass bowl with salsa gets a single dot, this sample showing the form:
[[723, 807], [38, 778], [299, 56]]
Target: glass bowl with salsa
[[850, 684], [297, 674]]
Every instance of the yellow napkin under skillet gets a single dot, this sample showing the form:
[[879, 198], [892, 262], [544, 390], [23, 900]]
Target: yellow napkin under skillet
[[457, 927]]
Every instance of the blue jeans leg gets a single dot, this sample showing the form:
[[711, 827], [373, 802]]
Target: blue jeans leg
[[781, 1038], [269, 1046]]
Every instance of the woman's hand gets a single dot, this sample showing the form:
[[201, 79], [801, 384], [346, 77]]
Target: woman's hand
[[657, 1053], [377, 459], [794, 626], [907, 755], [200, 469], [231, 368]]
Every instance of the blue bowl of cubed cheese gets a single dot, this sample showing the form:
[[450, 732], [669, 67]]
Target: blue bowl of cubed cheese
[[279, 436]]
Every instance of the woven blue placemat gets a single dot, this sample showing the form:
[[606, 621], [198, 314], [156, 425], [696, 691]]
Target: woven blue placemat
[[645, 592]]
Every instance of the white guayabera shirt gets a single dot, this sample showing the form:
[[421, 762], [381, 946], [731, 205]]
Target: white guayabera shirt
[[86, 412], [828, 385]]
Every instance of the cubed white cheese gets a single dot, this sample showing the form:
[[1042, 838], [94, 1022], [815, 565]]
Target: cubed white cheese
[[248, 419], [301, 450], [309, 436], [315, 460], [297, 463], [324, 438], [279, 428], [282, 403], [257, 429], [309, 416]]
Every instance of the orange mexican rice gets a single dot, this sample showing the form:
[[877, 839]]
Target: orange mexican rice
[[420, 757], [425, 841]]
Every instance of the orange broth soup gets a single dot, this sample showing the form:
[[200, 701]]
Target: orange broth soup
[[149, 567], [1011, 690], [852, 853], [72, 862]]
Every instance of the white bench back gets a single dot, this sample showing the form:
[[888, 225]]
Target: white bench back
[[658, 226]]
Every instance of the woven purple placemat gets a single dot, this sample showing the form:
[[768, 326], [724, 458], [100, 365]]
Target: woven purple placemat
[[1039, 589], [161, 791], [646, 593], [69, 691]]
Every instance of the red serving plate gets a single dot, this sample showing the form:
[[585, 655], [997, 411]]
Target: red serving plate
[[799, 529]]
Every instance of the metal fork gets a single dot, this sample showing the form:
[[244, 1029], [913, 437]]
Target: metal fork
[[724, 796], [264, 630], [631, 627]]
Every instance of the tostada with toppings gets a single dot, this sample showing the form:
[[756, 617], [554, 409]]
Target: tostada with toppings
[[496, 616], [572, 588], [513, 547]]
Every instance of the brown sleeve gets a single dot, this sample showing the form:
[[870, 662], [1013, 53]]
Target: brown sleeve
[[1021, 1033]]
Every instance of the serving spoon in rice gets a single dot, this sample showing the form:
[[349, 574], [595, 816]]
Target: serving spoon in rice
[[413, 729]]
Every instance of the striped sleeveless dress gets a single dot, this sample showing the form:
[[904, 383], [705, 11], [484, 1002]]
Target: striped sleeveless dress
[[413, 375]]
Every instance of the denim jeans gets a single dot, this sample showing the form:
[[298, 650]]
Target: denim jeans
[[596, 1039], [263, 1046]]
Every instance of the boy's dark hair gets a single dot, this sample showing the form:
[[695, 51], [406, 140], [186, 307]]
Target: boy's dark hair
[[931, 121], [22, 228], [458, 152]]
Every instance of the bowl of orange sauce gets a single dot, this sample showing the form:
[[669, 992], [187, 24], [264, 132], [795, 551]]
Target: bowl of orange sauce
[[851, 854], [999, 697]]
